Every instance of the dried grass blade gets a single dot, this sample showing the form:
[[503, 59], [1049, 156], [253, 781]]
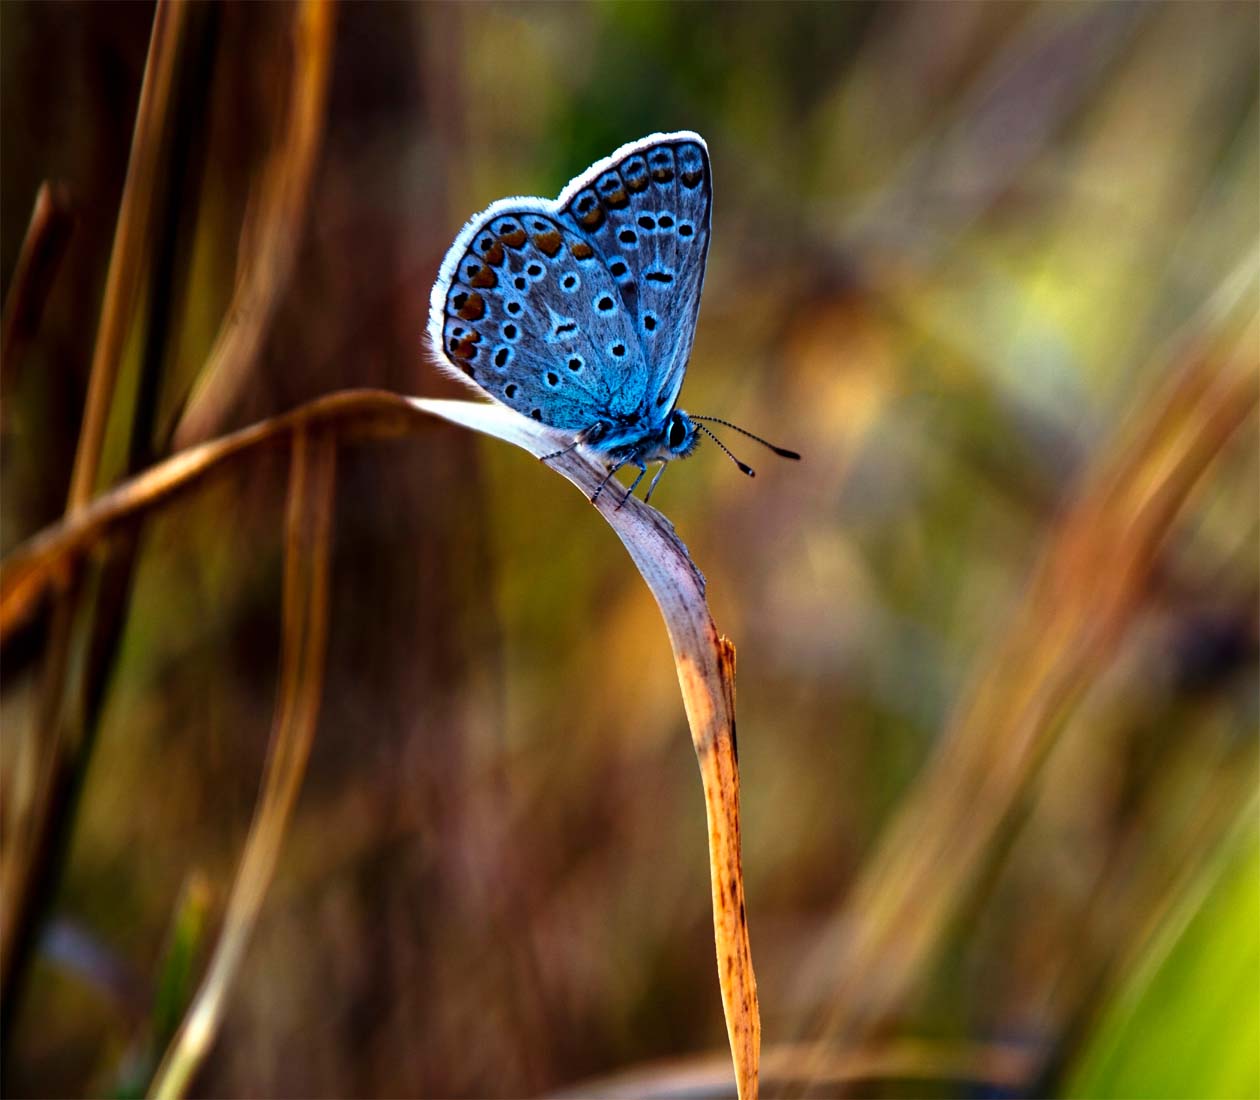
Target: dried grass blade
[[305, 621], [1004, 1067], [47, 235], [705, 661], [1083, 596], [706, 673], [269, 243], [51, 557], [50, 748], [125, 262]]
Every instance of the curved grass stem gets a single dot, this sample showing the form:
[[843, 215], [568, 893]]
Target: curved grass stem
[[305, 630]]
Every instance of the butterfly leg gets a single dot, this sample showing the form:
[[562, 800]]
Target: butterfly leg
[[593, 434], [634, 484], [652, 485], [607, 477], [556, 454]]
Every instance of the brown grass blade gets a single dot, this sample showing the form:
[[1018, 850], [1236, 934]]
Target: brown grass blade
[[272, 233], [52, 749], [308, 528], [705, 660], [48, 559], [706, 673], [47, 235], [1083, 595], [999, 1066], [126, 261]]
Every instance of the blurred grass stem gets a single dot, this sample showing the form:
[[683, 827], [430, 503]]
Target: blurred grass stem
[[47, 235], [272, 232], [705, 661], [305, 631], [63, 726], [1084, 594]]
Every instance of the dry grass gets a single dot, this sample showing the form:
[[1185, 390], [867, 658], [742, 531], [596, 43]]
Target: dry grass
[[876, 943]]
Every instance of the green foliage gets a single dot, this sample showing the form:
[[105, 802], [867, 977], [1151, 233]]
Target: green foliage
[[1186, 1022]]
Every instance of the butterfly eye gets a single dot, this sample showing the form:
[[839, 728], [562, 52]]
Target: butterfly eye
[[677, 433]]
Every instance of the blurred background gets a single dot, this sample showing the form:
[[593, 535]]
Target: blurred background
[[990, 267]]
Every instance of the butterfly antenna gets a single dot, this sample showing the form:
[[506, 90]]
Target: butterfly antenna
[[743, 466], [783, 452]]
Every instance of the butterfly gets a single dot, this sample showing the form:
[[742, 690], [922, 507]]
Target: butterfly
[[580, 312]]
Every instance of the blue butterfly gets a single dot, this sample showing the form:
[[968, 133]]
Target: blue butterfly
[[580, 312]]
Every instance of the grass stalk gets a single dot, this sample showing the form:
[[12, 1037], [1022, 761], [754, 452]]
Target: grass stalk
[[47, 235], [705, 661], [57, 741], [308, 528], [1084, 594], [272, 233]]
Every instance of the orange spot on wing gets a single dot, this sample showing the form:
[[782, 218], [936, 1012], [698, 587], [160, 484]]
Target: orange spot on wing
[[466, 349], [549, 242], [474, 309]]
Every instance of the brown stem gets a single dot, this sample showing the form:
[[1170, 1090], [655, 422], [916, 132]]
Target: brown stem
[[308, 529], [43, 247], [56, 745], [1083, 596], [272, 234]]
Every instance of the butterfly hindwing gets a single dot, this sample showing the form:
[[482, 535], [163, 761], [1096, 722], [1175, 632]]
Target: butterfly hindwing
[[647, 210], [531, 316], [582, 310]]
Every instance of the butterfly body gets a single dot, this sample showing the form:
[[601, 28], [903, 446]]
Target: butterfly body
[[579, 312]]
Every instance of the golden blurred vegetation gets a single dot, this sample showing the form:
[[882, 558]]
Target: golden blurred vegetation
[[993, 268]]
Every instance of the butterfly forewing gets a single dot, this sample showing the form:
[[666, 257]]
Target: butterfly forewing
[[581, 311], [647, 211], [531, 316]]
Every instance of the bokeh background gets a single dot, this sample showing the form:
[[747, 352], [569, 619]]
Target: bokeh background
[[963, 254]]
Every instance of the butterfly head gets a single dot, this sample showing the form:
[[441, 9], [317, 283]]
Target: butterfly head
[[679, 437]]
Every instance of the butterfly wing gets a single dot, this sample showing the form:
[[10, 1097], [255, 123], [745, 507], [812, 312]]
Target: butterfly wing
[[525, 311], [647, 209]]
